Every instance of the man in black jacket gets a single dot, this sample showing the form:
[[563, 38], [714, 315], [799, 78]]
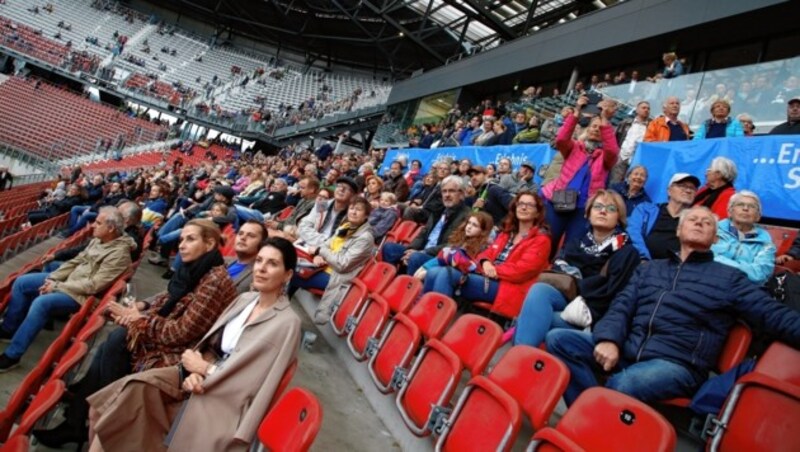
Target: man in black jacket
[[437, 230], [6, 179], [665, 331], [792, 124]]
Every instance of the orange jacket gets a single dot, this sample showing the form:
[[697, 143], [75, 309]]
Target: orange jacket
[[658, 130]]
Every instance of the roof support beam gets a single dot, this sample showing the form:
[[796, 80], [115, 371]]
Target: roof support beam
[[407, 33], [360, 26], [531, 11], [485, 17]]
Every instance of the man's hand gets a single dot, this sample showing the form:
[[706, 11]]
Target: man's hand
[[479, 203], [48, 258], [406, 255], [319, 261], [780, 260], [48, 287], [606, 354]]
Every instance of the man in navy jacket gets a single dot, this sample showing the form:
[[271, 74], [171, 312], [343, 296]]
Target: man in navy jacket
[[666, 329]]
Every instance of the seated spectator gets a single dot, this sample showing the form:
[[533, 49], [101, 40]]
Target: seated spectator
[[716, 193], [520, 123], [502, 135], [632, 189], [373, 189], [463, 247], [630, 132], [748, 126], [652, 227], [384, 216], [36, 297], [412, 176], [659, 344], [522, 181], [667, 127], [308, 188], [79, 216], [244, 380], [792, 124], [57, 207], [243, 181], [720, 125], [672, 65], [396, 183], [155, 332], [429, 203], [741, 243], [469, 133], [485, 135], [342, 257], [529, 134], [586, 165], [274, 202], [490, 197], [508, 267], [155, 207], [324, 219], [791, 258], [602, 262], [433, 237]]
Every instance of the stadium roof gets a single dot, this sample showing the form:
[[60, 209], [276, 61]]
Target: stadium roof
[[397, 36]]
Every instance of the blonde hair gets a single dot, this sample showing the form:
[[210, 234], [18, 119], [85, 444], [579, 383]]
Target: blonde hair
[[618, 201]]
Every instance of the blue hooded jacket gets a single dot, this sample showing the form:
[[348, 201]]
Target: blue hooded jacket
[[754, 254]]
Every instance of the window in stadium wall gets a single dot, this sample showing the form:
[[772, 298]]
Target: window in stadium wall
[[434, 108]]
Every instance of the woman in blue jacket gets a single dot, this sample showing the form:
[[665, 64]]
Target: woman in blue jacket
[[741, 243], [720, 125]]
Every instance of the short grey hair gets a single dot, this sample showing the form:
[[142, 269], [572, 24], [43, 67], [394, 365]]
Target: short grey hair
[[113, 218], [744, 194], [131, 212], [685, 213], [457, 180], [726, 167]]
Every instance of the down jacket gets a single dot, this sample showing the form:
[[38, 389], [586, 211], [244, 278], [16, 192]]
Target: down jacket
[[754, 255], [683, 312]]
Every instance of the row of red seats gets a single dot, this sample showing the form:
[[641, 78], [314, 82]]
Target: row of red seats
[[19, 241], [25, 39]]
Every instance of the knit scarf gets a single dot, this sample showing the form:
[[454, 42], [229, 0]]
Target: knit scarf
[[187, 277], [709, 196]]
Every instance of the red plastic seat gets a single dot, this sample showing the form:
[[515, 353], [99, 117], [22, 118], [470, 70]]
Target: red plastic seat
[[44, 401], [485, 418], [403, 233], [733, 352], [763, 408], [17, 443], [286, 378], [29, 385], [396, 298], [73, 356], [603, 419], [293, 423], [284, 214], [402, 337], [436, 372], [373, 279]]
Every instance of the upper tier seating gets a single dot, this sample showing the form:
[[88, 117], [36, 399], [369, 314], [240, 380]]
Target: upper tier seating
[[54, 123]]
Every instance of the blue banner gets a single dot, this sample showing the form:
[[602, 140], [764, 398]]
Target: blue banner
[[538, 154], [768, 166]]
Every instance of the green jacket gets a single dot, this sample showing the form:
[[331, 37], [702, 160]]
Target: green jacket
[[94, 269]]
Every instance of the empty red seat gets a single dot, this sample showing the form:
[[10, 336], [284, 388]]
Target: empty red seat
[[402, 337], [397, 297], [603, 419], [469, 344], [45, 400], [293, 423], [404, 232], [373, 279]]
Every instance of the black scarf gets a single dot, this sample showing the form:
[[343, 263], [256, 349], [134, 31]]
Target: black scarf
[[187, 277], [709, 196]]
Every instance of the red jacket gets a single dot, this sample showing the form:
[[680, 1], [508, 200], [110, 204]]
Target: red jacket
[[720, 206], [520, 270]]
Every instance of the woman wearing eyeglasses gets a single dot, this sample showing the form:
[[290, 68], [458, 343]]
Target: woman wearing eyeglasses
[[508, 267], [601, 262], [741, 243]]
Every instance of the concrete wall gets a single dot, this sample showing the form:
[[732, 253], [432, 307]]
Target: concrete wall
[[621, 24]]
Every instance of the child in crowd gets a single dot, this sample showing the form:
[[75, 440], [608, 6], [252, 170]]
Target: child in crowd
[[383, 218], [470, 238]]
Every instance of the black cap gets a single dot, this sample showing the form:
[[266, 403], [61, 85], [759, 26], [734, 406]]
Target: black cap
[[349, 181], [529, 165], [225, 191]]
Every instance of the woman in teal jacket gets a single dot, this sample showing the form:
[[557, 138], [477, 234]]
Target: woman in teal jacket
[[720, 125], [743, 244]]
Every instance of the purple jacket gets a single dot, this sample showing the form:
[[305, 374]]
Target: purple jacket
[[604, 158]]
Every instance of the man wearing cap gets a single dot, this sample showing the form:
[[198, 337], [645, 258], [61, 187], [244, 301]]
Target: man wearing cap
[[792, 124], [272, 203], [170, 232], [490, 197], [319, 225], [522, 181], [665, 331], [652, 227], [396, 183]]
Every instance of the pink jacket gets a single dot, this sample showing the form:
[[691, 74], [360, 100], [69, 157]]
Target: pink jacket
[[573, 161]]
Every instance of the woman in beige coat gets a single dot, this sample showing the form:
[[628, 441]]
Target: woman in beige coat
[[231, 375]]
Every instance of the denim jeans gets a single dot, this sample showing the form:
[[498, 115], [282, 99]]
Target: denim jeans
[[648, 381], [28, 311], [83, 220], [571, 225], [173, 224], [541, 312], [74, 213], [393, 252], [445, 280], [417, 260], [51, 266], [169, 237], [246, 213], [317, 281]]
